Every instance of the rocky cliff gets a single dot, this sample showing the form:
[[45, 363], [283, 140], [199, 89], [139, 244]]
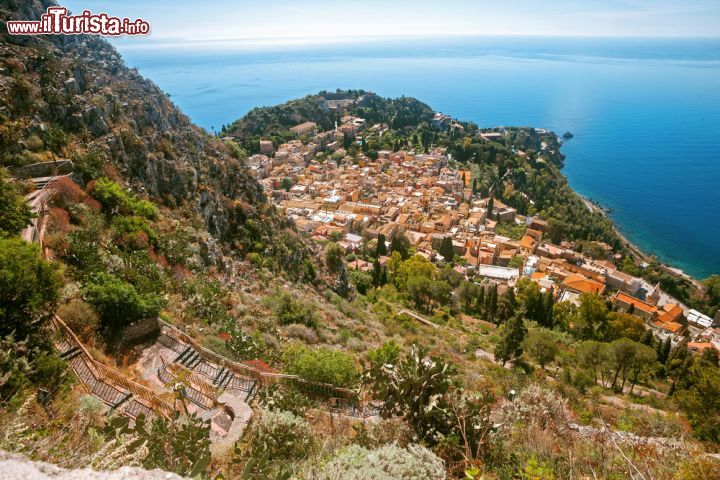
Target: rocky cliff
[[73, 97]]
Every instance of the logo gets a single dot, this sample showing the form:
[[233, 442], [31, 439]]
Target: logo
[[56, 21]]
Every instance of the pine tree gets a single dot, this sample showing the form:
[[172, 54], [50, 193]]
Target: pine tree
[[510, 345], [481, 299], [490, 207], [377, 272], [381, 249], [663, 350], [493, 304], [647, 338], [447, 250]]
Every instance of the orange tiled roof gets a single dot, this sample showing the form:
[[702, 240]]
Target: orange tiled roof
[[639, 304], [582, 284], [699, 346], [673, 309], [672, 327], [528, 242]]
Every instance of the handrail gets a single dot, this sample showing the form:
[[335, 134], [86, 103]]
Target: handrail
[[266, 378], [180, 371], [103, 372]]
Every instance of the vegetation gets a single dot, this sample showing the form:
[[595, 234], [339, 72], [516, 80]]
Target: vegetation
[[15, 213], [321, 365], [118, 302], [29, 287], [200, 246]]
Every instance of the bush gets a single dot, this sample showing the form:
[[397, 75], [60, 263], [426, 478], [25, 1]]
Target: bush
[[29, 286], [321, 365], [536, 406], [82, 251], [386, 463], [206, 302], [282, 435], [387, 354], [15, 214], [115, 199], [290, 310], [133, 233], [80, 317], [117, 302], [283, 398], [363, 281], [301, 332]]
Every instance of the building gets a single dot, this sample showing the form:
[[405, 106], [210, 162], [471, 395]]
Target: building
[[266, 147], [622, 281], [635, 306], [580, 285], [699, 320], [306, 128]]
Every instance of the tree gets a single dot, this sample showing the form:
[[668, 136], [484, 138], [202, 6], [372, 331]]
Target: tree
[[592, 317], [663, 350], [512, 334], [117, 301], [467, 295], [381, 248], [15, 213], [334, 255], [594, 356], [564, 315], [624, 325], [29, 287], [400, 243], [642, 363], [286, 184], [446, 249], [379, 278], [622, 356], [362, 281], [700, 400], [490, 207], [492, 303], [542, 346]]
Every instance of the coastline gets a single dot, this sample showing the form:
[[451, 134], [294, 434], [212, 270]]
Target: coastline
[[636, 251]]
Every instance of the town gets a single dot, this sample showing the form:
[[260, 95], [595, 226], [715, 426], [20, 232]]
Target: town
[[428, 198]]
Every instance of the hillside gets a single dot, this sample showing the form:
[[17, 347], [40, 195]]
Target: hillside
[[163, 306]]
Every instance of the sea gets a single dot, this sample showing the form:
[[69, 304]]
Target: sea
[[644, 112]]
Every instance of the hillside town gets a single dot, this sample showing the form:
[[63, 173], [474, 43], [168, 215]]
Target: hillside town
[[354, 200]]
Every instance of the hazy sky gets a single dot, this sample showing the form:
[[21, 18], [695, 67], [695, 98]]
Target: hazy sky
[[230, 19]]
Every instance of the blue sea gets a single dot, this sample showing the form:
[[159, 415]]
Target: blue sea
[[645, 112]]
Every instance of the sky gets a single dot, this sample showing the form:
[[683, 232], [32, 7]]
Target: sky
[[242, 19]]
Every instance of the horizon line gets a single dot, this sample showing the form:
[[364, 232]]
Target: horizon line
[[331, 38]]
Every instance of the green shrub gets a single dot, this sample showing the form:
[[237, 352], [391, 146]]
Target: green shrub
[[89, 164], [301, 332], [15, 214], [80, 317], [115, 199], [282, 435], [133, 233], [206, 302], [283, 398], [321, 365], [386, 463], [117, 302], [29, 286], [387, 354], [290, 310]]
